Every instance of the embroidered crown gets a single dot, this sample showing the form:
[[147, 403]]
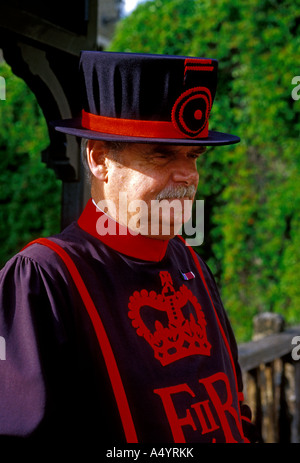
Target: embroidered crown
[[179, 337]]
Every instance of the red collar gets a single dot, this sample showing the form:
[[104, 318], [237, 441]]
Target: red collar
[[138, 246]]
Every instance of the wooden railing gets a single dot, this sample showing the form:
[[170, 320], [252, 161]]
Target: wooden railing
[[272, 384]]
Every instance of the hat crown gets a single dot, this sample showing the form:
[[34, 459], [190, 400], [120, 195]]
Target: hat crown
[[146, 98], [141, 87]]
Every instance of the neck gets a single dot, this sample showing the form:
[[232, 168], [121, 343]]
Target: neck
[[118, 237]]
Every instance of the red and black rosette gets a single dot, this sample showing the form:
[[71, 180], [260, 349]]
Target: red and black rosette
[[191, 111]]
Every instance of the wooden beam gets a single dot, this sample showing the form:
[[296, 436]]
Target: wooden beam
[[254, 353], [25, 24]]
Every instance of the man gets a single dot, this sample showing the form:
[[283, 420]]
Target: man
[[114, 329]]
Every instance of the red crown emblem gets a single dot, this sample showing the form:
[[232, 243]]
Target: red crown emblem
[[179, 337]]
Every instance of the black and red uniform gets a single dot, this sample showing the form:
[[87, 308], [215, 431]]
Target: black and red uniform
[[155, 362]]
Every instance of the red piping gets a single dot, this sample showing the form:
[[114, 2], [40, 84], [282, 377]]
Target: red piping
[[103, 340]]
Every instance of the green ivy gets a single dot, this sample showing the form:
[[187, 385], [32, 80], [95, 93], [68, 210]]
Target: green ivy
[[30, 195]]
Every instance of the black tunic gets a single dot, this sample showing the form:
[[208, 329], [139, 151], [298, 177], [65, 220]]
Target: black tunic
[[170, 337]]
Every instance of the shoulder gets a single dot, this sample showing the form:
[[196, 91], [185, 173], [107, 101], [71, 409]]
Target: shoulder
[[38, 258], [30, 273], [37, 278]]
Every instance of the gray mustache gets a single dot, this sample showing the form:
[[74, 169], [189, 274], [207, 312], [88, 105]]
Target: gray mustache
[[177, 192]]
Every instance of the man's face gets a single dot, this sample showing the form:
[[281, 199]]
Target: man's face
[[146, 179]]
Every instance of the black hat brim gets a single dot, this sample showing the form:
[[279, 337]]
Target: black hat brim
[[73, 127]]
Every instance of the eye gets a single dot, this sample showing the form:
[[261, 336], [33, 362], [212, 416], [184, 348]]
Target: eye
[[193, 156], [162, 156], [196, 154]]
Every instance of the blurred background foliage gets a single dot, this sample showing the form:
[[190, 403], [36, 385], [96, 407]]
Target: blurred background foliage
[[30, 194], [251, 190]]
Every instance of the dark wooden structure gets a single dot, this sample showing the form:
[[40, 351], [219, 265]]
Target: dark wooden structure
[[272, 384], [41, 41]]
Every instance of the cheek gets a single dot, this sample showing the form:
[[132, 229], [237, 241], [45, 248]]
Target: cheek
[[195, 176], [144, 187]]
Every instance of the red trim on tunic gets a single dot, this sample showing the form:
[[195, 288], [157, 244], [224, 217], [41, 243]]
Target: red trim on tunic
[[103, 340]]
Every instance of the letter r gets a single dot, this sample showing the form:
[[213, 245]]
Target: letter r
[[220, 407]]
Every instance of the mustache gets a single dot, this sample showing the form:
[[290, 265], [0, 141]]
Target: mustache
[[177, 192]]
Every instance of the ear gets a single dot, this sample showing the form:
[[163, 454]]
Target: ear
[[96, 158]]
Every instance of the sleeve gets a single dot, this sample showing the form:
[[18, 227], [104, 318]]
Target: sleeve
[[249, 428], [32, 337]]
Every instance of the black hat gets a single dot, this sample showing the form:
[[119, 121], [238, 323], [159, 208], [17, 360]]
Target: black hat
[[146, 98]]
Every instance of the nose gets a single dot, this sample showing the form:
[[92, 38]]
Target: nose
[[184, 171]]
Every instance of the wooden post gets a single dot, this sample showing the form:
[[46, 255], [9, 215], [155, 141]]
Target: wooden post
[[265, 324], [295, 434]]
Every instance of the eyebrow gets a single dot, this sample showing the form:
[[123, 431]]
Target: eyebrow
[[198, 150], [159, 149], [163, 150], [169, 151]]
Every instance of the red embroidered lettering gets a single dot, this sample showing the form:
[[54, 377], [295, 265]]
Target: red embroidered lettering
[[209, 416], [222, 408], [219, 405], [175, 422]]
